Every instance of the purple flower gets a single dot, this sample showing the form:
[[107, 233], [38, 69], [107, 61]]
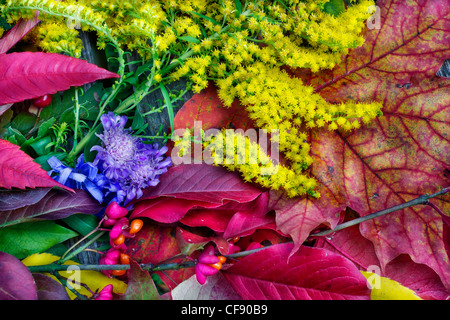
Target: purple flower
[[120, 149], [126, 159]]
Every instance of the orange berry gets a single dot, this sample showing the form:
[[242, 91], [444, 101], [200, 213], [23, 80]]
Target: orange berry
[[124, 258], [217, 265], [136, 226], [118, 272], [119, 240], [222, 259]]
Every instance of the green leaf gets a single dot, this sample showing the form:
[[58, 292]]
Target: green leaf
[[238, 6], [169, 106], [39, 145], [189, 39], [334, 7], [26, 238], [43, 128], [23, 122]]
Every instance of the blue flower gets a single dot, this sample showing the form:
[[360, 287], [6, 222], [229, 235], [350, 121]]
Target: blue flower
[[85, 176]]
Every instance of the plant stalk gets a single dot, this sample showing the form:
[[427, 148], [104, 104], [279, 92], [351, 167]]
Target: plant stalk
[[420, 200]]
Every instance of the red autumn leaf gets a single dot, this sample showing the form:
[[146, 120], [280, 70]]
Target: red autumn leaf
[[202, 182], [310, 273], [18, 170], [398, 157], [207, 108], [418, 277], [233, 218], [16, 281], [28, 75]]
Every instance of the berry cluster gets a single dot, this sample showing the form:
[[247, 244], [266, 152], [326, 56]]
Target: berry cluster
[[208, 264], [115, 217]]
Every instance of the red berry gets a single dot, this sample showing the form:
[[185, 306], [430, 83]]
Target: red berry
[[43, 101]]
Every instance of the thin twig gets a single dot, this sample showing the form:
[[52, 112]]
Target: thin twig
[[420, 200]]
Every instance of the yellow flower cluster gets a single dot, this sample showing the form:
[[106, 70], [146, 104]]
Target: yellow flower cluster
[[54, 36], [276, 101], [237, 152]]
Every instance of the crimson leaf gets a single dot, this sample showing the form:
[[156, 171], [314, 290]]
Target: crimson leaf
[[28, 75], [310, 273]]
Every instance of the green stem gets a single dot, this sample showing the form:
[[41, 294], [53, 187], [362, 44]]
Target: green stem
[[169, 106], [82, 143], [77, 118], [80, 249]]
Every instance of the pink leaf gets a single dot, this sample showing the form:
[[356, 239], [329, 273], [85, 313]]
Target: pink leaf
[[195, 186], [202, 182], [28, 75], [21, 28], [310, 273], [18, 170]]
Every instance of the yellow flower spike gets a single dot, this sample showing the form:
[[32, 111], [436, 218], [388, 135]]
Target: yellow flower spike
[[95, 280]]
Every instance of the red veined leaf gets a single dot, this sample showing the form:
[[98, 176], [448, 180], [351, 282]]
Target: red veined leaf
[[310, 273], [155, 244], [28, 75], [207, 108], [18, 170]]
